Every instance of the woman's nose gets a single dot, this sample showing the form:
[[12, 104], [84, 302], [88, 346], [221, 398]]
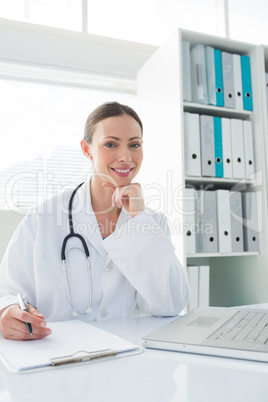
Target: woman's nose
[[124, 155]]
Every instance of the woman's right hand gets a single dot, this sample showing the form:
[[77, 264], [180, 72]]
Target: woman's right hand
[[13, 319]]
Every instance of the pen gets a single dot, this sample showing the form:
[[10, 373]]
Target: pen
[[24, 306]]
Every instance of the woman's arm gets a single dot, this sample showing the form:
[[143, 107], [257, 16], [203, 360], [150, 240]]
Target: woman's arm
[[17, 275], [143, 252]]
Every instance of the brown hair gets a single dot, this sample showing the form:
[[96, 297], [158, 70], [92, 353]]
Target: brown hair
[[108, 109]]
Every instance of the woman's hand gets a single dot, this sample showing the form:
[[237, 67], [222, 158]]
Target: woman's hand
[[12, 323], [128, 196]]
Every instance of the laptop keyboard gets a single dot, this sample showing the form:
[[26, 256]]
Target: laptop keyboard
[[251, 327]]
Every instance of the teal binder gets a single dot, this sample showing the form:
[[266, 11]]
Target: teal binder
[[218, 78], [218, 147], [246, 83]]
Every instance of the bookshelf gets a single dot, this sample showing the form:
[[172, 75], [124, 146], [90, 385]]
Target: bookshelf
[[235, 278]]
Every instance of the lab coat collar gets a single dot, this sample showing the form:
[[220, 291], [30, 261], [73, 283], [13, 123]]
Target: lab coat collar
[[85, 222]]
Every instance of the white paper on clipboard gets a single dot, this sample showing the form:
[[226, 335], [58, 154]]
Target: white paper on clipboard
[[70, 342]]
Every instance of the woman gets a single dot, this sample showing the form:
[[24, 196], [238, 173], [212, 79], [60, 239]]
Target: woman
[[131, 259]]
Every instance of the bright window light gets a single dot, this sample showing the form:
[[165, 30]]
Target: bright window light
[[41, 126], [152, 21], [248, 21], [65, 14]]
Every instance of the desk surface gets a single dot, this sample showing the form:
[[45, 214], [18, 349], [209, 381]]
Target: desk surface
[[153, 376]]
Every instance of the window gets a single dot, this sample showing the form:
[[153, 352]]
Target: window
[[152, 21], [144, 21], [42, 124], [64, 14], [248, 21]]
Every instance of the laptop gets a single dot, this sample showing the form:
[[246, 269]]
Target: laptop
[[240, 333]]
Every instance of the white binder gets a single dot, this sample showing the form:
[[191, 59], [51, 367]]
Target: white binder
[[250, 214], [204, 281], [238, 82], [224, 221], [189, 219], [199, 278], [207, 145], [192, 144], [186, 71], [210, 72], [226, 148], [228, 80], [235, 203], [266, 78], [198, 74], [194, 285], [199, 216], [248, 149], [237, 136], [210, 227]]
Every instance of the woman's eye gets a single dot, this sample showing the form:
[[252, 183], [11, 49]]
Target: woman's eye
[[136, 145], [110, 144]]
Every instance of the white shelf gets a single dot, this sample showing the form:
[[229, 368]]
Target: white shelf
[[220, 182], [216, 110], [220, 255]]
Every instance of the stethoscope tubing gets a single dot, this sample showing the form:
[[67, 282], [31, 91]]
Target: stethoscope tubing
[[63, 258]]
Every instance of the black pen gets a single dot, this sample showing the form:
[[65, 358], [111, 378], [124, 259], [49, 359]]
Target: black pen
[[24, 306]]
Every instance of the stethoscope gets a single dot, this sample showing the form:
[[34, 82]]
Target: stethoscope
[[72, 233]]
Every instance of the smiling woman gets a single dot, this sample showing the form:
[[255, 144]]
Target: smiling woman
[[130, 265], [113, 143]]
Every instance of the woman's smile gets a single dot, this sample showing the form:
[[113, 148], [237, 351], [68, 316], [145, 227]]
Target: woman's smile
[[122, 172]]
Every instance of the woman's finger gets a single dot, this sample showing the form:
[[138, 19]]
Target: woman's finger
[[108, 184]]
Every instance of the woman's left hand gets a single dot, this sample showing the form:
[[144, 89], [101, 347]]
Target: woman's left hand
[[128, 196]]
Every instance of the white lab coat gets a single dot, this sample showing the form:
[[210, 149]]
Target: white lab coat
[[134, 268]]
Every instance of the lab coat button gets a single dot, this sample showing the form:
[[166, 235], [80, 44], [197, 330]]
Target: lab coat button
[[103, 314], [108, 268]]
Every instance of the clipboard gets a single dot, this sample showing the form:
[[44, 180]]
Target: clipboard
[[71, 342]]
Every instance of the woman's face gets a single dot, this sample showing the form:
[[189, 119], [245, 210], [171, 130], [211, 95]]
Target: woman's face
[[116, 149]]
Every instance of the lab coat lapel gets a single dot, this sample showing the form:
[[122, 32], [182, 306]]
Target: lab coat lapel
[[85, 222]]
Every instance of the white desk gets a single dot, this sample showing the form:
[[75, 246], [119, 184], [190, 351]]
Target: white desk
[[153, 376]]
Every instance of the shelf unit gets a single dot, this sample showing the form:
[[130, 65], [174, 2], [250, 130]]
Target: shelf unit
[[236, 278]]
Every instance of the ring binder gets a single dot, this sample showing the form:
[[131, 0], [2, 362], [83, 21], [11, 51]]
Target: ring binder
[[85, 357]]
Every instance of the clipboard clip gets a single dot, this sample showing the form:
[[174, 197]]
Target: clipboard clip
[[82, 356]]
